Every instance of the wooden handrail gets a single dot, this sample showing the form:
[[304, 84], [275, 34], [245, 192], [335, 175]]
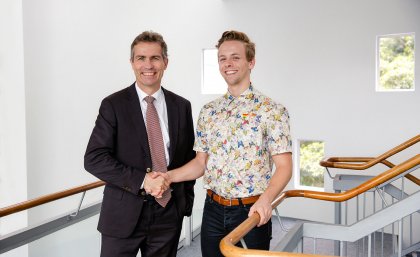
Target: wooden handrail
[[227, 245], [332, 162], [367, 162], [367, 185], [341, 162], [389, 164], [48, 198]]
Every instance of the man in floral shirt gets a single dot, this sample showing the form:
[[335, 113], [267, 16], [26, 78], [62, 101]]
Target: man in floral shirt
[[239, 137]]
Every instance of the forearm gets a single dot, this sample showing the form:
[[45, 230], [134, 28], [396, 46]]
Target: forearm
[[108, 169], [277, 183], [190, 171], [280, 178]]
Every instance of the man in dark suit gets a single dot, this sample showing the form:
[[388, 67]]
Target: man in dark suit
[[119, 153]]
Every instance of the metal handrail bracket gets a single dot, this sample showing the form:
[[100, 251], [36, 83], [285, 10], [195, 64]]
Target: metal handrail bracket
[[291, 239], [74, 214]]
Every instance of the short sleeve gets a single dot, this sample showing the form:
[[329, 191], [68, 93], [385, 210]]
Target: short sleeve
[[201, 139], [278, 131]]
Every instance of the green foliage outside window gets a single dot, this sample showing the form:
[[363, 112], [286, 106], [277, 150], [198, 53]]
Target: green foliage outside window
[[396, 62], [311, 173]]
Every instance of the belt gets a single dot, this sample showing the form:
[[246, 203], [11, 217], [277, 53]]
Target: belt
[[231, 202]]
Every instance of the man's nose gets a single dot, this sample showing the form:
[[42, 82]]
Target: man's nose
[[148, 63], [228, 63]]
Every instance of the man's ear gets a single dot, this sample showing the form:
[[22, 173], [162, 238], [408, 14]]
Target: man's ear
[[166, 61], [251, 64]]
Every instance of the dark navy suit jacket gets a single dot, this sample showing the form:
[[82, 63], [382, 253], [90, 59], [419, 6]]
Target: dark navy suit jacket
[[118, 153]]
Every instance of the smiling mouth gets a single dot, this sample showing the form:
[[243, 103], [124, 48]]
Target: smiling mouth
[[230, 72], [148, 74]]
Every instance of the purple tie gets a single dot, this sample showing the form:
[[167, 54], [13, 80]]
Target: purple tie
[[157, 150]]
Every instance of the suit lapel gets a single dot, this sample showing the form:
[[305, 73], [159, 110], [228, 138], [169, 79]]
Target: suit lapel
[[173, 120], [137, 118]]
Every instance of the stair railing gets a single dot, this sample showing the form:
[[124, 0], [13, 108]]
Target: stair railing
[[227, 244], [363, 163], [29, 234], [49, 198]]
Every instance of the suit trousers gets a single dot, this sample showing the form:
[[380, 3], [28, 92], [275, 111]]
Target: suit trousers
[[219, 220], [156, 234]]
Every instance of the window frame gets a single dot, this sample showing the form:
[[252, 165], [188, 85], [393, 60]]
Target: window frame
[[211, 89], [378, 87], [296, 162]]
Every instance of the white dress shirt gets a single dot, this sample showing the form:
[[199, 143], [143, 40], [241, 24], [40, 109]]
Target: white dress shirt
[[160, 105]]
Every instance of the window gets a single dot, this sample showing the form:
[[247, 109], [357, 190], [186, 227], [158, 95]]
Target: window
[[309, 172], [395, 63], [212, 82]]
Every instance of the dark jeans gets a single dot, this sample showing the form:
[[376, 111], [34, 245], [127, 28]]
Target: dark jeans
[[219, 220]]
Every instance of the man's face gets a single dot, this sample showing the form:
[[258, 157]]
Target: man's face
[[148, 65], [233, 64]]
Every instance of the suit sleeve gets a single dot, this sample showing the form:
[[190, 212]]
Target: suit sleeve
[[100, 158], [190, 154]]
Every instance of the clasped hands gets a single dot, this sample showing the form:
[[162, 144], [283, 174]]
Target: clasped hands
[[155, 183]]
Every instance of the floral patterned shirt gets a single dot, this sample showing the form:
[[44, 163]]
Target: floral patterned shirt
[[240, 135]]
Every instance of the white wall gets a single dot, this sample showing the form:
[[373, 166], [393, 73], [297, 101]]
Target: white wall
[[316, 57], [13, 186]]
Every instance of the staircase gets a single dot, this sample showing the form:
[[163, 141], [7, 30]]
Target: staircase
[[374, 215]]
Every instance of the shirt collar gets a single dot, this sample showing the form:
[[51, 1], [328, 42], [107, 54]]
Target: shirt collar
[[244, 96], [157, 95]]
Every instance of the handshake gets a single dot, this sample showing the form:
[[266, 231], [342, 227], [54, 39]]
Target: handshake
[[155, 183]]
